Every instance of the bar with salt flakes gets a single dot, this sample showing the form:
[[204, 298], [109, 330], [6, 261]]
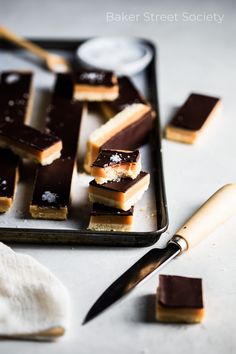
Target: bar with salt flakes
[[95, 85], [52, 187], [112, 165], [15, 107]]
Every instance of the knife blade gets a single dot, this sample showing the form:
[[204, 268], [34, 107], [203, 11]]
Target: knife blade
[[216, 210]]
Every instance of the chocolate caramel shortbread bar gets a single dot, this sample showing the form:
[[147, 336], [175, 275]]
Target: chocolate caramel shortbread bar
[[179, 299], [191, 120], [95, 85], [30, 143], [112, 165], [121, 195]]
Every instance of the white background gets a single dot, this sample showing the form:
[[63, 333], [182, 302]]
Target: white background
[[197, 57]]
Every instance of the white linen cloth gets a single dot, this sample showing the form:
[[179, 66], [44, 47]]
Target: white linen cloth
[[34, 304]]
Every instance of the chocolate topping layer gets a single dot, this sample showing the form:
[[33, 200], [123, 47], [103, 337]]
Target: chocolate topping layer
[[28, 136], [175, 291], [128, 94], [133, 136], [64, 120], [115, 157], [14, 95], [195, 111], [101, 210], [122, 186], [94, 78]]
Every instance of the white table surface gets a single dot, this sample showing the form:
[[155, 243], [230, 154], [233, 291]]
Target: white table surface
[[193, 56]]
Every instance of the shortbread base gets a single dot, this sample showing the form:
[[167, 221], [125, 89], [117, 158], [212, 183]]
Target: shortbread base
[[48, 213], [109, 227], [95, 93], [178, 315], [5, 204]]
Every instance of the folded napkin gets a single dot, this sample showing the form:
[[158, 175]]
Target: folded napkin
[[34, 304]]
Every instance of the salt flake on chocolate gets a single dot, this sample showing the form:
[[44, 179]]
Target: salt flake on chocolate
[[92, 77], [12, 78], [49, 197], [115, 158]]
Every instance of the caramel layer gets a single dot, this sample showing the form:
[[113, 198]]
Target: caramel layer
[[95, 89]]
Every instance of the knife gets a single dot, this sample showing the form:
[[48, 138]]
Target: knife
[[216, 210]]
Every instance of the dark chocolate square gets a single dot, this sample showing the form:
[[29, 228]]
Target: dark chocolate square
[[180, 292]]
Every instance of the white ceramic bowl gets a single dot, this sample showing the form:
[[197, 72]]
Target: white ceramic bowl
[[123, 55]]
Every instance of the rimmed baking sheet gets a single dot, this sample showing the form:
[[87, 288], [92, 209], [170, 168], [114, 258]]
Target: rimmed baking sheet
[[150, 218]]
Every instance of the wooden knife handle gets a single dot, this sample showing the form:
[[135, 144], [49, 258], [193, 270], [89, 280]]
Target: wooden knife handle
[[214, 212], [23, 43]]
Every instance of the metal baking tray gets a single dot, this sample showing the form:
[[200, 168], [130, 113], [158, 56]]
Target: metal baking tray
[[151, 213]]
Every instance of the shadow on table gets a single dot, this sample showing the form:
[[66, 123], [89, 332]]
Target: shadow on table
[[146, 306]]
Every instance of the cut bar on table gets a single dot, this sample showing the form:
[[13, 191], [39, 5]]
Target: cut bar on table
[[191, 120], [179, 299]]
